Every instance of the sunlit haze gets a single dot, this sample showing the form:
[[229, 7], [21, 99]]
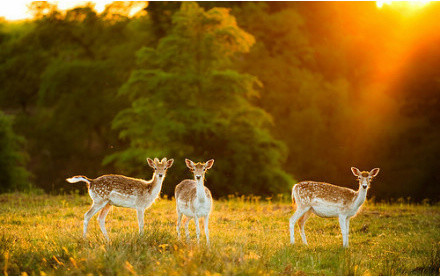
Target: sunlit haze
[[18, 9], [403, 4]]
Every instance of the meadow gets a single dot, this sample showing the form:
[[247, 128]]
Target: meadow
[[42, 235]]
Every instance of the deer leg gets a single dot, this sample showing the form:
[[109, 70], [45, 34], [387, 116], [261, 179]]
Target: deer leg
[[187, 228], [302, 222], [101, 219], [179, 222], [347, 228], [140, 214], [206, 222], [343, 224], [196, 220], [90, 213], [298, 213]]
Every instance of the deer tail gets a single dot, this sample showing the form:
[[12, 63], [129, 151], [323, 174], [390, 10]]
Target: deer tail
[[79, 178]]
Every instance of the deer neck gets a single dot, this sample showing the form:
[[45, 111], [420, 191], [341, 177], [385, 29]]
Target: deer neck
[[156, 184], [201, 196], [360, 198]]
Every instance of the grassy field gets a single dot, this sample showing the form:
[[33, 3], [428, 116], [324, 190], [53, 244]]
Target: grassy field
[[42, 235]]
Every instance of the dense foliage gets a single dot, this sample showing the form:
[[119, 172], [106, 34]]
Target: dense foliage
[[188, 103], [271, 91], [13, 175]]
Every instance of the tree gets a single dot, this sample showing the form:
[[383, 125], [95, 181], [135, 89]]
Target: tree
[[21, 65], [60, 75], [188, 102], [13, 175], [413, 144], [312, 113], [77, 102]]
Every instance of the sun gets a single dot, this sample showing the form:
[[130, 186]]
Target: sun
[[413, 5], [18, 9]]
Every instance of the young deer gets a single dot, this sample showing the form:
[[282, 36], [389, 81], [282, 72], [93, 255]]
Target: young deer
[[326, 200], [193, 199], [122, 191]]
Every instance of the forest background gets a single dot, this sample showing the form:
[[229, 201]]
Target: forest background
[[275, 92]]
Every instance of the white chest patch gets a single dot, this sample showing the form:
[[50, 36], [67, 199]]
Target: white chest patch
[[149, 200]]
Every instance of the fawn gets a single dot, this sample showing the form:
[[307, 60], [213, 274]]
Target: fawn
[[326, 200], [193, 199], [122, 191]]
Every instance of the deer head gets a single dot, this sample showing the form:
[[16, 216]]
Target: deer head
[[160, 167], [199, 169], [365, 177]]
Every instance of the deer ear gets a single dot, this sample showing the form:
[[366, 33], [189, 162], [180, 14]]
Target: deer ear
[[189, 163], [170, 163], [156, 160], [163, 160], [356, 172], [209, 164], [374, 172], [150, 162]]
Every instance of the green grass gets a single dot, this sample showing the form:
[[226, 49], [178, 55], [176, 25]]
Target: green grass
[[42, 234]]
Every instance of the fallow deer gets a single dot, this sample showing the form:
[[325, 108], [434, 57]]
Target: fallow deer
[[326, 200], [193, 199], [122, 191]]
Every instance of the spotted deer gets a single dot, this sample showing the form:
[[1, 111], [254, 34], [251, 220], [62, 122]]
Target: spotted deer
[[122, 191], [326, 200], [193, 199]]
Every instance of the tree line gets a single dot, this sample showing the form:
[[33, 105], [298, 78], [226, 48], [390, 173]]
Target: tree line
[[274, 92]]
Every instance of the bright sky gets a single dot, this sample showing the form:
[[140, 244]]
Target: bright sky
[[17, 9]]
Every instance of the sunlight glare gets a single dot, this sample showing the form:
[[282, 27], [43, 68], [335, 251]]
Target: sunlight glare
[[66, 5], [413, 5], [18, 9], [15, 10]]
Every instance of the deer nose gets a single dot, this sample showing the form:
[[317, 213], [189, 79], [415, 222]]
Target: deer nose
[[160, 175], [198, 177]]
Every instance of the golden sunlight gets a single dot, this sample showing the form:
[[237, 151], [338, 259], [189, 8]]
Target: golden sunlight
[[409, 5], [18, 9]]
